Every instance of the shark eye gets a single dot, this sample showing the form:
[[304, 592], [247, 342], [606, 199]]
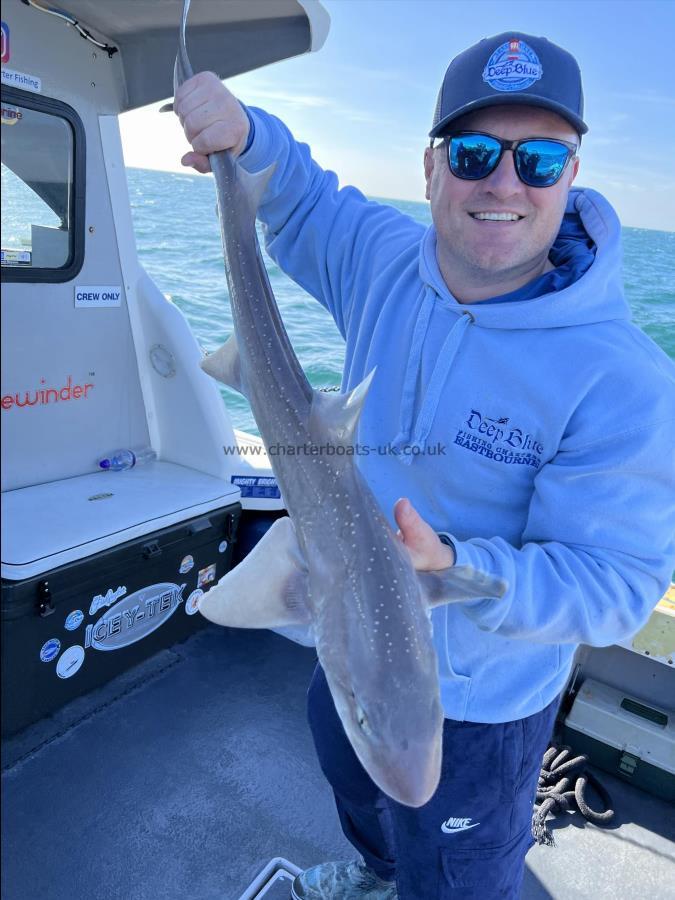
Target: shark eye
[[362, 719]]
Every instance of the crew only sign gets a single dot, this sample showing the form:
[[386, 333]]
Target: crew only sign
[[97, 297]]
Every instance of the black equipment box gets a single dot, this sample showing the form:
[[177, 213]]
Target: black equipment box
[[69, 630]]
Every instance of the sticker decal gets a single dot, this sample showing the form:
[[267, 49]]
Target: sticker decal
[[70, 662], [10, 78], [50, 650], [11, 114], [513, 66], [16, 257], [99, 297], [44, 395], [135, 617], [5, 42], [192, 602], [186, 565], [206, 575], [74, 620], [107, 599], [222, 546], [257, 486]]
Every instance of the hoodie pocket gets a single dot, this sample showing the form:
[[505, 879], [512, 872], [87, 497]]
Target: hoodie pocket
[[455, 686]]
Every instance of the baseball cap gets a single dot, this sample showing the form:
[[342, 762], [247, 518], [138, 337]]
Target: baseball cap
[[511, 68]]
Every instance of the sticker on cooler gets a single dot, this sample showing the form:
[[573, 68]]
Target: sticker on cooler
[[50, 650], [206, 575], [186, 565], [258, 486], [222, 546], [192, 602], [135, 616], [70, 662], [74, 620], [107, 599]]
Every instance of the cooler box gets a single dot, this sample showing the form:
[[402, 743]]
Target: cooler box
[[102, 571], [624, 736]]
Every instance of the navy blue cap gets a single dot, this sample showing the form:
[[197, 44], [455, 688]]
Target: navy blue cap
[[511, 68]]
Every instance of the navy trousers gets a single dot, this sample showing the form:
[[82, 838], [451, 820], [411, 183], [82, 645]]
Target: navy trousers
[[469, 841]]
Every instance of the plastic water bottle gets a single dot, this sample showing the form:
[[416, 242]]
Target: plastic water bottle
[[127, 459]]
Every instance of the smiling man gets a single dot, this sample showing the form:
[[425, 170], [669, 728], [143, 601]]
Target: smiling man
[[500, 334], [494, 233]]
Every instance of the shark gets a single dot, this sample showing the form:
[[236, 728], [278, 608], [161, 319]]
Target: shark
[[334, 563]]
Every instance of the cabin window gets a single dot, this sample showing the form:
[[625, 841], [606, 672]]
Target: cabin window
[[41, 208]]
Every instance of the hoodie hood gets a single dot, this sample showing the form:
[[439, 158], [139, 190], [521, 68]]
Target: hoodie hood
[[596, 296]]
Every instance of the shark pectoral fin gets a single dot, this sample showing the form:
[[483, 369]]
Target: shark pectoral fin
[[268, 589], [225, 365], [335, 416], [459, 583]]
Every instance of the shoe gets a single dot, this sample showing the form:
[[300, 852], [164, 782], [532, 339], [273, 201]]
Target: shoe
[[342, 881]]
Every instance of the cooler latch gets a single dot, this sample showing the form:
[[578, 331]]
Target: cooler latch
[[151, 550], [45, 607], [230, 528], [628, 764]]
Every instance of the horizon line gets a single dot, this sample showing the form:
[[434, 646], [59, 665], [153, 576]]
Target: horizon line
[[190, 174]]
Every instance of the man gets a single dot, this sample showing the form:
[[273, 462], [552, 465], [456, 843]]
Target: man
[[501, 334]]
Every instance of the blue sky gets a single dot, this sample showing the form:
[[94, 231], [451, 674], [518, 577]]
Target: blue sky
[[364, 102]]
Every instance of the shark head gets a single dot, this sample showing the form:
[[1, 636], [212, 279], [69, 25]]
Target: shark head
[[397, 738]]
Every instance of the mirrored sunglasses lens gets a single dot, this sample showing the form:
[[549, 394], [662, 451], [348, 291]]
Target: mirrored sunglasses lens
[[541, 163], [473, 155]]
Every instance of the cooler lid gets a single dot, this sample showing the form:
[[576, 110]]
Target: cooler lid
[[49, 525]]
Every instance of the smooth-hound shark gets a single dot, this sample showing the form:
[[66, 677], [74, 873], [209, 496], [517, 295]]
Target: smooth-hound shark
[[335, 562]]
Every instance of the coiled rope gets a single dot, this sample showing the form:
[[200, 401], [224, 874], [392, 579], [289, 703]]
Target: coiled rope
[[555, 794]]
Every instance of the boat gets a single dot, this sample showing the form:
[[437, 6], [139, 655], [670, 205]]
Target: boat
[[147, 753]]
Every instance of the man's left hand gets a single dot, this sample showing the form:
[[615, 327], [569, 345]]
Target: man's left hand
[[424, 545]]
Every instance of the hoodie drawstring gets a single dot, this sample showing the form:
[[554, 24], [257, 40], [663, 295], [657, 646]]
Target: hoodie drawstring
[[412, 369], [432, 397]]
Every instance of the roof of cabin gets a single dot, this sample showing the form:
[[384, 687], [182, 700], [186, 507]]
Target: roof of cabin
[[227, 38]]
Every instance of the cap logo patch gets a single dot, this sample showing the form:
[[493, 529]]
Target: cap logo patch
[[512, 67]]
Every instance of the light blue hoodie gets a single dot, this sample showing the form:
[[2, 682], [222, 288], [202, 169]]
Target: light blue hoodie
[[555, 418]]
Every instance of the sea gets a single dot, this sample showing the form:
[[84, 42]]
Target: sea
[[178, 241]]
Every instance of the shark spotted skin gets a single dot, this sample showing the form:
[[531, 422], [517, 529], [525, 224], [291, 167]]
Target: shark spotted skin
[[335, 564]]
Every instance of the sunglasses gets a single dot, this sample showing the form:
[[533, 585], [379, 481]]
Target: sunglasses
[[539, 162]]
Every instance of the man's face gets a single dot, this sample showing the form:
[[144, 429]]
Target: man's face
[[483, 250]]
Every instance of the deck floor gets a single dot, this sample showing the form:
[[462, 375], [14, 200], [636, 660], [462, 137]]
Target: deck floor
[[181, 779]]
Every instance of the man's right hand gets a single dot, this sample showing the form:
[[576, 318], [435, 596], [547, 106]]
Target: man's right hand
[[212, 119]]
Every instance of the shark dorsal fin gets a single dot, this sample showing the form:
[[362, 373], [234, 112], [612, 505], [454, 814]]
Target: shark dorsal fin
[[224, 365], [254, 185], [334, 417]]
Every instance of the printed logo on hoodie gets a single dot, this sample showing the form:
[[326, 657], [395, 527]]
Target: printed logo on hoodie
[[500, 439]]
